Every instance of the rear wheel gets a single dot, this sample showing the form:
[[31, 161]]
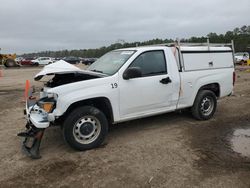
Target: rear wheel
[[85, 128], [204, 105]]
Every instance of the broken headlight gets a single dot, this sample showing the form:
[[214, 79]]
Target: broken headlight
[[48, 103], [47, 106]]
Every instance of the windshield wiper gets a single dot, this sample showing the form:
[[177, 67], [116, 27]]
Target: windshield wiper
[[94, 70]]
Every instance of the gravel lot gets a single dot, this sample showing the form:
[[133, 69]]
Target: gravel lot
[[170, 150]]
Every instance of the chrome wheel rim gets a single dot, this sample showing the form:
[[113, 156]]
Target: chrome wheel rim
[[207, 106], [86, 129]]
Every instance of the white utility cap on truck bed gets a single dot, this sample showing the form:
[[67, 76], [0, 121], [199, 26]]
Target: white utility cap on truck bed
[[204, 57]]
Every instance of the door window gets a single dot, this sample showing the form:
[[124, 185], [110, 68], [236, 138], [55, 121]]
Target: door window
[[151, 63]]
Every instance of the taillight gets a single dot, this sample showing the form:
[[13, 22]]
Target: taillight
[[234, 77]]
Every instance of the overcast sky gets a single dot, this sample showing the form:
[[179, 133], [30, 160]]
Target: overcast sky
[[37, 25]]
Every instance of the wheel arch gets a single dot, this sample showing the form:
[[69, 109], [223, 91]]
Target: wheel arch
[[102, 103], [214, 87]]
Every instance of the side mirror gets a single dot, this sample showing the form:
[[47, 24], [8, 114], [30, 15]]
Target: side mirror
[[132, 72]]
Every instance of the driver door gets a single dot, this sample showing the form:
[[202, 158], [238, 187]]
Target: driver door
[[149, 93]]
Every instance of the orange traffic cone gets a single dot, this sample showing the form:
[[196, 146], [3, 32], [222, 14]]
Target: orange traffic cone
[[26, 91]]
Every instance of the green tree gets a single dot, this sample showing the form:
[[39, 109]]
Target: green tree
[[241, 37]]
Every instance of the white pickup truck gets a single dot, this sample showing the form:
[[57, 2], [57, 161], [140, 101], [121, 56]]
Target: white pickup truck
[[127, 84]]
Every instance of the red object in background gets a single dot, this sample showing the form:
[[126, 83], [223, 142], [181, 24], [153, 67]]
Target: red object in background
[[27, 61]]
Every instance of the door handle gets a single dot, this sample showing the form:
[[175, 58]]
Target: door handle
[[211, 63], [166, 80]]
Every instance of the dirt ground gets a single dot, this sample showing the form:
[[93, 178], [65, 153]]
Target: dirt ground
[[170, 150]]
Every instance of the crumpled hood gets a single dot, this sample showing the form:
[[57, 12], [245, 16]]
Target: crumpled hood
[[57, 67], [61, 67]]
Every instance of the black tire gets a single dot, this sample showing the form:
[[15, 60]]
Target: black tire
[[79, 123], [10, 63], [204, 105], [6, 65]]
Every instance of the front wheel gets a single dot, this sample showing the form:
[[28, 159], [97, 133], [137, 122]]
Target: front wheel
[[85, 128], [204, 105]]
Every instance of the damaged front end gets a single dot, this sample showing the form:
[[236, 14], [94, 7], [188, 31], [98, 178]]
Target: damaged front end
[[40, 113], [39, 117], [32, 140]]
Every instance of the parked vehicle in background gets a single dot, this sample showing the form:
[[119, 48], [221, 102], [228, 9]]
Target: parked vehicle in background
[[42, 61], [241, 58], [28, 61], [18, 59], [72, 60], [88, 61], [128, 84]]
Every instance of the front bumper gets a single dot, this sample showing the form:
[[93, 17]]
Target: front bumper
[[37, 122], [36, 116], [32, 140]]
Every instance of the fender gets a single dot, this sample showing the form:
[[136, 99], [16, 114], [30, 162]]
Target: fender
[[79, 91], [214, 77], [191, 85]]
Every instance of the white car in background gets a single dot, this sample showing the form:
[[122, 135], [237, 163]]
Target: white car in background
[[18, 59], [241, 57], [43, 61]]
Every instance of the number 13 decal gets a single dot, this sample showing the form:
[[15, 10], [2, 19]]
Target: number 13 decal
[[114, 85]]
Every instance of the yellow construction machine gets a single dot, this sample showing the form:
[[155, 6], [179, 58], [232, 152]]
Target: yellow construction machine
[[8, 60]]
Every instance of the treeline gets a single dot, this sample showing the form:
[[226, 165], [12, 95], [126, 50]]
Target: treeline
[[241, 37]]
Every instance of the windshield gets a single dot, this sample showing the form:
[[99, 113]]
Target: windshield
[[111, 62]]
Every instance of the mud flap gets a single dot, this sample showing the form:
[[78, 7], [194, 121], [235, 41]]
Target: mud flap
[[32, 141]]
